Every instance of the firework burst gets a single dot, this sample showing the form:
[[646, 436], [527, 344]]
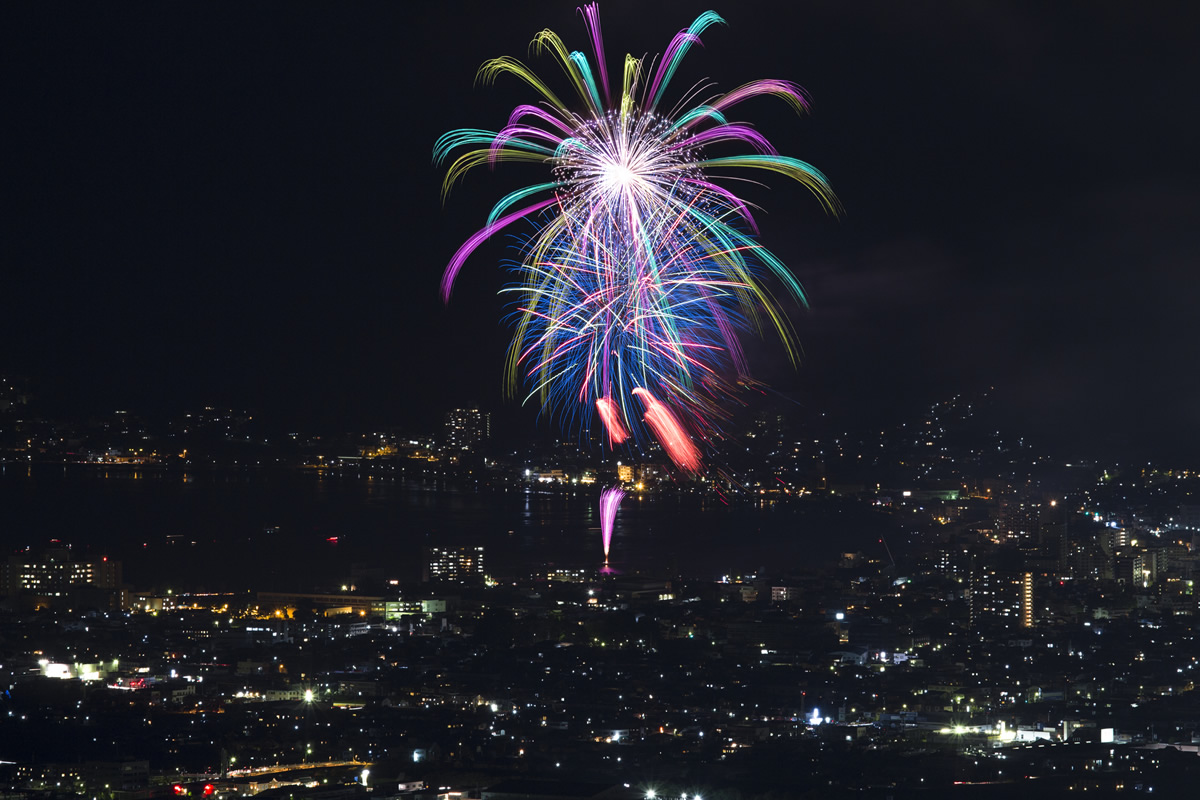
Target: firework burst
[[641, 269]]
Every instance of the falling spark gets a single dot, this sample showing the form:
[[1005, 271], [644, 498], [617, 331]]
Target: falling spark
[[670, 433]]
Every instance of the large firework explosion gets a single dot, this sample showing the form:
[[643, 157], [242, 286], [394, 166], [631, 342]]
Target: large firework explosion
[[640, 271]]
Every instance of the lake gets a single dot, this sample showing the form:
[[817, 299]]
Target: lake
[[279, 529]]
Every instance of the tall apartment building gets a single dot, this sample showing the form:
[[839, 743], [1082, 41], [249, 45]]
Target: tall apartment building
[[1001, 596], [467, 428], [453, 564], [1019, 520]]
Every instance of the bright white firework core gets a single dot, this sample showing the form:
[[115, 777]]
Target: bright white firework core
[[617, 176], [616, 160]]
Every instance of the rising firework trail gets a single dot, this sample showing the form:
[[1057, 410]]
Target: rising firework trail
[[610, 500], [640, 268]]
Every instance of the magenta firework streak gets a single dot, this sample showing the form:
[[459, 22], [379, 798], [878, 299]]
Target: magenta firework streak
[[640, 268], [610, 500]]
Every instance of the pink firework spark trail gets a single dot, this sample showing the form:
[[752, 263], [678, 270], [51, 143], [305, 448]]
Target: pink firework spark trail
[[670, 433], [611, 418], [610, 500]]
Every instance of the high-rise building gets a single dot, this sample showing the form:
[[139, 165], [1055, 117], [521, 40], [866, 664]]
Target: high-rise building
[[1026, 591], [1001, 596], [453, 564], [1113, 539], [1087, 560], [1148, 566], [953, 560], [467, 428], [1019, 521]]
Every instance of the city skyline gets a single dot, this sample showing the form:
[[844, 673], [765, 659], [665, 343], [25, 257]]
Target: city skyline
[[1026, 635]]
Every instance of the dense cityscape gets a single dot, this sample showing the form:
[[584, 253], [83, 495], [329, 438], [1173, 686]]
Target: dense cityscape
[[1033, 622]]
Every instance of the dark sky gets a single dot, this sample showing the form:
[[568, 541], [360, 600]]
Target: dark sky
[[234, 204]]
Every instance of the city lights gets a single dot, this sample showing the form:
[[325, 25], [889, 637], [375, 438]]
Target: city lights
[[281, 520]]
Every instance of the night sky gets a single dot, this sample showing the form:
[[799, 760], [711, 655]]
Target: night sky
[[234, 204]]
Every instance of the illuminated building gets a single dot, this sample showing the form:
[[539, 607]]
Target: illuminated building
[[953, 560], [1087, 561], [1113, 540], [453, 564], [467, 428], [326, 604], [783, 594], [1026, 591], [1001, 596], [1019, 521], [56, 574], [1147, 564], [399, 609], [564, 575]]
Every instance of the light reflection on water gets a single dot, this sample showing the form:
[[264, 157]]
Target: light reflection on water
[[271, 529]]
